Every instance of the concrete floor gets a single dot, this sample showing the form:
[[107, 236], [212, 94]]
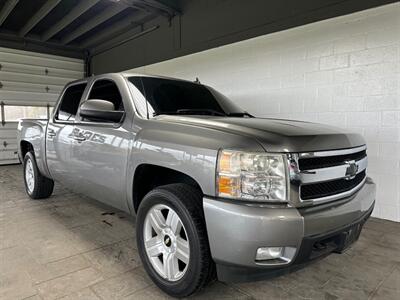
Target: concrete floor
[[71, 247]]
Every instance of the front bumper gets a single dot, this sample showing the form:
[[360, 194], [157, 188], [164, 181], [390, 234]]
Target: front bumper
[[236, 231]]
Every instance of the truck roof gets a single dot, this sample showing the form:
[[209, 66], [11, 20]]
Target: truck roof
[[129, 74]]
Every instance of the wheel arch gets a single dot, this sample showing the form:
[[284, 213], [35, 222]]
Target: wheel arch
[[149, 176], [26, 147]]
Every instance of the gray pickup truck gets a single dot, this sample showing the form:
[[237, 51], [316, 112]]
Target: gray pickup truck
[[216, 191]]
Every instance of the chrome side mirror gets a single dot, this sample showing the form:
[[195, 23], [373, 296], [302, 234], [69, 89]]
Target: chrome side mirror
[[100, 110]]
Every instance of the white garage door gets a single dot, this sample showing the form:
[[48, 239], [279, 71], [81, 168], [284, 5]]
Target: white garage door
[[29, 86]]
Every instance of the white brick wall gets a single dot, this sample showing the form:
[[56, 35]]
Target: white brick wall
[[343, 71]]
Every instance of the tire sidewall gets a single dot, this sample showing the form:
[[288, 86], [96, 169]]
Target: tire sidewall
[[31, 157], [160, 196]]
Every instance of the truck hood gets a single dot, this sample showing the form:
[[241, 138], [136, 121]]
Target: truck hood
[[277, 135]]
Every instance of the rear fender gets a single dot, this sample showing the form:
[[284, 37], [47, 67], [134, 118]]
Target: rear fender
[[33, 131]]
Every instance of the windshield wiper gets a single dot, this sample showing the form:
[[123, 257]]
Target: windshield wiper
[[201, 111], [191, 112], [204, 112]]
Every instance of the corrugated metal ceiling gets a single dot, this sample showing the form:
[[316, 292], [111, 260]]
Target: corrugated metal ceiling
[[70, 25]]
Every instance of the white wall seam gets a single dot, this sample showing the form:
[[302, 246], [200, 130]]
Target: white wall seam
[[343, 71]]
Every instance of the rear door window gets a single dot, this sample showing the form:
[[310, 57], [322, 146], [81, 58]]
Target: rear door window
[[70, 102]]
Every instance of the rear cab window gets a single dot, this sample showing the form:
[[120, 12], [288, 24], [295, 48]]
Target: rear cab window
[[70, 102]]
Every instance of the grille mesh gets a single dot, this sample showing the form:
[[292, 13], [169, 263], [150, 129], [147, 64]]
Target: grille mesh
[[328, 188], [329, 161]]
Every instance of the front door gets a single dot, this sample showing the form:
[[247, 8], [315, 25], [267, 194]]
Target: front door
[[100, 151]]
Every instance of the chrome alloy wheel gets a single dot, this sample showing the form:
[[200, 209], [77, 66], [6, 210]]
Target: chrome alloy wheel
[[166, 242], [29, 176]]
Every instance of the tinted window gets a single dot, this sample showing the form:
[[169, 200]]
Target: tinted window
[[107, 90], [167, 96], [70, 102], [136, 88]]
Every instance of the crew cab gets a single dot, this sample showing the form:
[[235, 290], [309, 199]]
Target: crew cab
[[217, 192]]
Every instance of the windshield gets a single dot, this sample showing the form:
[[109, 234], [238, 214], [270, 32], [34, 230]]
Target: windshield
[[177, 97]]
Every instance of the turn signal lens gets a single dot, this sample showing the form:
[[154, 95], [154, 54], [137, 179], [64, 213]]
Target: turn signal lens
[[229, 185]]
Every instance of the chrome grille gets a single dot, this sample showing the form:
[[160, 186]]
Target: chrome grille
[[317, 177], [329, 161], [329, 188]]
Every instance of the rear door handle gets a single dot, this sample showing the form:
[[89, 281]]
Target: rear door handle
[[51, 133], [79, 138]]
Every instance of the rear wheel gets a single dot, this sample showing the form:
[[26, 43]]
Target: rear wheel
[[36, 185], [172, 239]]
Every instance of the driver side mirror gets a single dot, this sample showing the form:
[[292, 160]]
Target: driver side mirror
[[100, 110]]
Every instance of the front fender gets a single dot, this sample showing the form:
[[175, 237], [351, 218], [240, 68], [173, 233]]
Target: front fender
[[189, 150]]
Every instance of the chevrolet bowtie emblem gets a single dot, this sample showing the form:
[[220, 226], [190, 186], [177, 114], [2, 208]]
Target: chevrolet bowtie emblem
[[351, 170]]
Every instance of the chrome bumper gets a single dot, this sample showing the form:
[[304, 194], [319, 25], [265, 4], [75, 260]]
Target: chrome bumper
[[236, 231]]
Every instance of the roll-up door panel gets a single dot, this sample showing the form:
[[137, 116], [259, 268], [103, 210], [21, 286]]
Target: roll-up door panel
[[40, 60], [8, 143], [30, 79], [31, 87], [36, 70]]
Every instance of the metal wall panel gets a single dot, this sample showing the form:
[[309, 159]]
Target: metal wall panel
[[31, 79], [8, 143]]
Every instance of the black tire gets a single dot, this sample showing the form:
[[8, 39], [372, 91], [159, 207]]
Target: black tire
[[186, 201], [43, 186]]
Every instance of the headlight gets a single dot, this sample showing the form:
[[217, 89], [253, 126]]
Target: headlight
[[252, 176]]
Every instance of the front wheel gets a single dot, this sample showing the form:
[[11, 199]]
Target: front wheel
[[172, 239], [36, 185]]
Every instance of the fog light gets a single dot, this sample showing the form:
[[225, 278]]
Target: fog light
[[266, 253]]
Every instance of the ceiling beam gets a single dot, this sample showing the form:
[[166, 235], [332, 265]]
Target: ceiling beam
[[161, 6], [141, 31], [156, 5], [7, 9], [10, 40], [38, 16], [92, 23], [78, 10], [129, 22]]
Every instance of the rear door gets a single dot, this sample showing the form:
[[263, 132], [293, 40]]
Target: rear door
[[59, 134], [100, 150]]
